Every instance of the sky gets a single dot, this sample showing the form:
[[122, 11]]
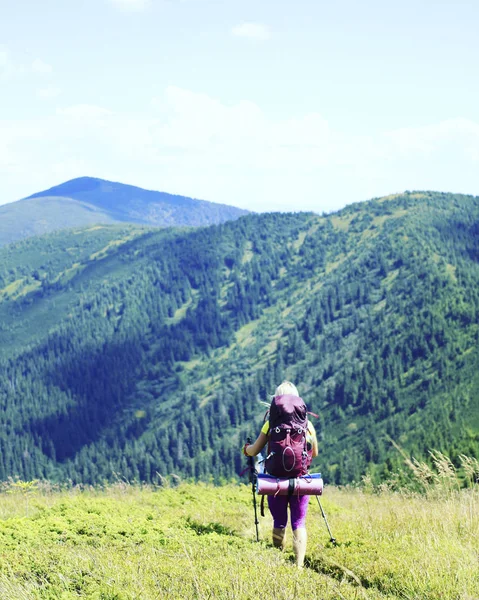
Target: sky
[[269, 105]]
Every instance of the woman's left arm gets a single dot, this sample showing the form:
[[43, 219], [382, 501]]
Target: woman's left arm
[[256, 447]]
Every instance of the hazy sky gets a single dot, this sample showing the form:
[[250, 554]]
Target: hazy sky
[[264, 104]]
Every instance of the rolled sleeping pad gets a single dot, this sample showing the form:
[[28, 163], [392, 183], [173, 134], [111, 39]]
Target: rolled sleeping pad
[[306, 485]]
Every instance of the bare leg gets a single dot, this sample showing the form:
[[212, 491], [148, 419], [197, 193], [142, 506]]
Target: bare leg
[[278, 537], [300, 539]]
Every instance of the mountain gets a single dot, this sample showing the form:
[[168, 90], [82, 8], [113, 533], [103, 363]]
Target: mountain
[[135, 352], [88, 201]]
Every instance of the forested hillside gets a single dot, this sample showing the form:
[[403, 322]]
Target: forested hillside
[[131, 352], [86, 201]]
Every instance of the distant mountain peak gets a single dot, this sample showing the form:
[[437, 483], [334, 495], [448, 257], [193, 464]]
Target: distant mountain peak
[[89, 200], [88, 184], [79, 184]]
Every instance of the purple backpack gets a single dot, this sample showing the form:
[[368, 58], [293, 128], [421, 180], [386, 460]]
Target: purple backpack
[[288, 455]]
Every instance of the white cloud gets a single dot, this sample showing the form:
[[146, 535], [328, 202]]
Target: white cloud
[[41, 68], [3, 59], [7, 66], [84, 112], [48, 93], [131, 5], [190, 143], [458, 135], [11, 68], [252, 30]]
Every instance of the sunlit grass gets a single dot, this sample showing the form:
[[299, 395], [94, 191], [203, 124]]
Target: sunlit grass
[[198, 541]]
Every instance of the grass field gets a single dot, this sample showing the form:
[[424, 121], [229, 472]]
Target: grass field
[[198, 541]]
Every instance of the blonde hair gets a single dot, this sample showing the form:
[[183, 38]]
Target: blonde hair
[[286, 388]]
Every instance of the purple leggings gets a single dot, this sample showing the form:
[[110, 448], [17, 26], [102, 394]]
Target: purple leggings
[[278, 505]]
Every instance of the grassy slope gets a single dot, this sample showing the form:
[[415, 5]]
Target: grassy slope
[[37, 216], [197, 541]]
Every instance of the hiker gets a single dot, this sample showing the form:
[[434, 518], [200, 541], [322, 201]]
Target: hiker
[[278, 505]]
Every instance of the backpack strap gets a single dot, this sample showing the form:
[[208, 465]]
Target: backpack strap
[[291, 486]]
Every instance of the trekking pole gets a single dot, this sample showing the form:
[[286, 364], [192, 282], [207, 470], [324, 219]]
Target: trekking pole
[[331, 538], [252, 478]]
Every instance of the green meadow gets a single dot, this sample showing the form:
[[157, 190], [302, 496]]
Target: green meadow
[[198, 541]]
